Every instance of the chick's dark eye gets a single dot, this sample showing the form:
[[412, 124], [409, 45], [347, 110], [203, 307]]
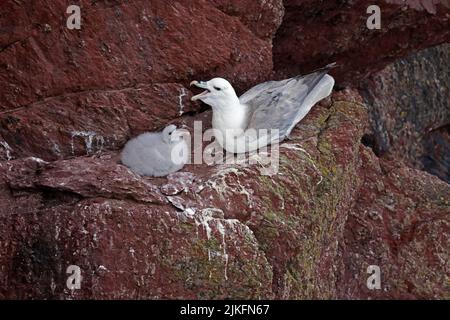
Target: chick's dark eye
[[217, 88]]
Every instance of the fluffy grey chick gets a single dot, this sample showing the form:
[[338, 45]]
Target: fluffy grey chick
[[156, 154]]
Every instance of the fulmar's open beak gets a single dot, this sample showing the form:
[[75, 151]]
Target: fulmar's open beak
[[200, 84]]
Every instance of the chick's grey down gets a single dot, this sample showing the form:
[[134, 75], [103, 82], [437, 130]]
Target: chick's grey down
[[156, 154], [266, 113]]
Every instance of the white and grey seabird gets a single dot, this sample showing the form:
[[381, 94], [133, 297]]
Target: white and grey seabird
[[266, 113]]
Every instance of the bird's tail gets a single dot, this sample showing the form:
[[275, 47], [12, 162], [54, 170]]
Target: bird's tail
[[327, 68], [318, 73]]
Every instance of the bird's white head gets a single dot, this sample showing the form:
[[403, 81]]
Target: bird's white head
[[171, 134], [219, 93]]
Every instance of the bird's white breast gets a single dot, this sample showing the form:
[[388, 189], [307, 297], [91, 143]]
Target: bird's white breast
[[230, 120]]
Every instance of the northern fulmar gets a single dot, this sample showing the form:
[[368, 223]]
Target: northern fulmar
[[266, 113]]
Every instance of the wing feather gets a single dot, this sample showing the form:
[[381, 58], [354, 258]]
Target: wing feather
[[282, 104]]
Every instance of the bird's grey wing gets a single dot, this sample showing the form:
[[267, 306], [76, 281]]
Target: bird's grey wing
[[260, 88], [282, 104]]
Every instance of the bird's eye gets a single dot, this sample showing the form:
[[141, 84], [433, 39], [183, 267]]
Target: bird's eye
[[217, 88]]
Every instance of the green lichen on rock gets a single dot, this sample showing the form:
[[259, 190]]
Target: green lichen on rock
[[314, 220], [210, 270]]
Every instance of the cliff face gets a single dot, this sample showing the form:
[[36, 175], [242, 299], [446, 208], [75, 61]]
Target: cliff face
[[410, 115], [336, 30], [70, 99]]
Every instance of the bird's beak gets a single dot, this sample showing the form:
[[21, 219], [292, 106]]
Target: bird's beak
[[200, 84]]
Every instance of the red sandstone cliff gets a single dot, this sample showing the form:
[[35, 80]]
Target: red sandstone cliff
[[70, 99]]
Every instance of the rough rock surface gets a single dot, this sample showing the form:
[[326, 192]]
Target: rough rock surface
[[409, 104], [74, 92], [400, 222], [290, 235], [313, 35], [69, 99]]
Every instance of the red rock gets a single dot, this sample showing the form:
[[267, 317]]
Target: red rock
[[129, 250], [84, 124], [121, 74], [409, 111], [262, 17], [124, 45], [400, 222], [72, 98], [127, 240], [314, 35], [181, 237]]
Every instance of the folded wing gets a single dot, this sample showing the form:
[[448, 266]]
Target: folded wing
[[282, 104]]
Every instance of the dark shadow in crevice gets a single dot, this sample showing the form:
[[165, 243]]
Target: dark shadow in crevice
[[369, 140]]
